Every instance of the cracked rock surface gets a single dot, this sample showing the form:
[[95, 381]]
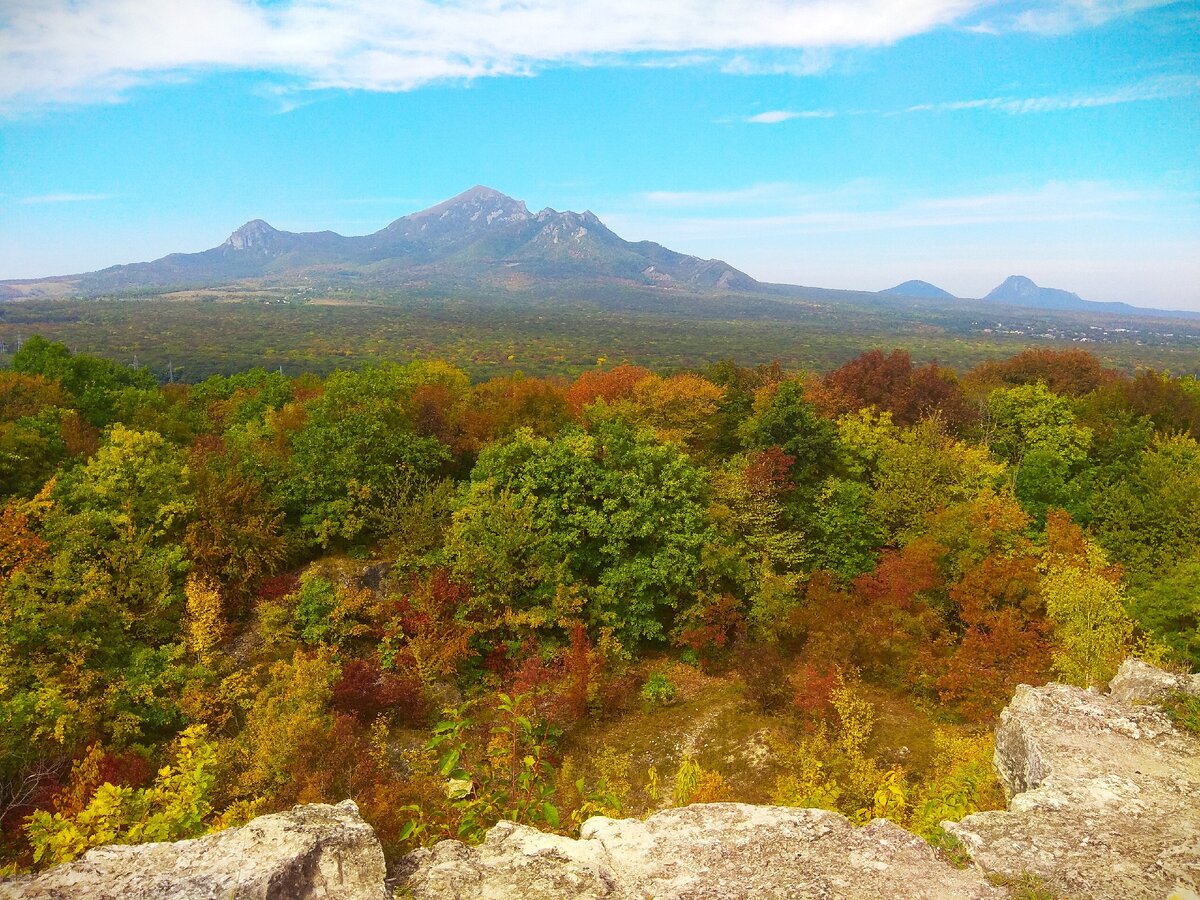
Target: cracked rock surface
[[1104, 791], [703, 852]]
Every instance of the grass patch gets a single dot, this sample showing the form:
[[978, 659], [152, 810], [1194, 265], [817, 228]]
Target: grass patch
[[1184, 710]]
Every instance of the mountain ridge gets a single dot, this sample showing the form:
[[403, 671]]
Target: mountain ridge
[[480, 233], [487, 239]]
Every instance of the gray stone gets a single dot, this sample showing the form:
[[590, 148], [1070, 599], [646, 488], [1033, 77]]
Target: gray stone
[[1137, 682], [1104, 794], [311, 852], [703, 852]]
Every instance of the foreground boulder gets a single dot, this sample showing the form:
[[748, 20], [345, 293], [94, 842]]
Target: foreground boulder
[[1139, 683], [704, 852], [1104, 791], [314, 851]]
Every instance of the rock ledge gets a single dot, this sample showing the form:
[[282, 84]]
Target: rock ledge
[[1104, 791], [704, 852], [310, 853]]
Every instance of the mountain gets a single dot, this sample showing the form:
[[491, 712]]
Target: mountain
[[485, 243], [480, 235], [1017, 290], [919, 289]]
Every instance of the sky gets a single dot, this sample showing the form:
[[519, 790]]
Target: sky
[[834, 143]]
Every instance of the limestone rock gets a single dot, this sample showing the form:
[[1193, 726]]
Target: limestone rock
[[702, 852], [1104, 793], [1137, 682], [311, 852]]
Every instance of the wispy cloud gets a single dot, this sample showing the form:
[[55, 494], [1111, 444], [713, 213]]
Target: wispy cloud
[[857, 206], [807, 61], [775, 116], [1162, 88], [97, 50], [1155, 89], [1061, 17], [65, 198], [771, 194]]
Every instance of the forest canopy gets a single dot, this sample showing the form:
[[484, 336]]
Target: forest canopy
[[392, 583]]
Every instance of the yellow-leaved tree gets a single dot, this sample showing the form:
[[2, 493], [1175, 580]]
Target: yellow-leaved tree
[[1085, 600], [205, 621]]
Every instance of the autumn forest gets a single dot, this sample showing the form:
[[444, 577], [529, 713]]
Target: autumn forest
[[543, 599]]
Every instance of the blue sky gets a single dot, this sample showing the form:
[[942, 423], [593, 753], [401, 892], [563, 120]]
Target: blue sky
[[840, 143]]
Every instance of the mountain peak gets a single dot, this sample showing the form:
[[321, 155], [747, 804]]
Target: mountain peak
[[254, 234], [478, 202], [470, 212], [1018, 290], [483, 192], [1015, 286]]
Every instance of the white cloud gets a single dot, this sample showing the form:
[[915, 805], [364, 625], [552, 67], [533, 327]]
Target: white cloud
[[775, 116], [96, 50], [65, 198]]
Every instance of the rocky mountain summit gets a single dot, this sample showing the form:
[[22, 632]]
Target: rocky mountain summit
[[1021, 291], [1104, 802]]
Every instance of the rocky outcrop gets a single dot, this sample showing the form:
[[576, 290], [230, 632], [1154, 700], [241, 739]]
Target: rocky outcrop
[[1137, 682], [311, 852], [703, 852], [1104, 791]]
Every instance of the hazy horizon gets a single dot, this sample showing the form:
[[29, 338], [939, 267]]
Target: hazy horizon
[[844, 144]]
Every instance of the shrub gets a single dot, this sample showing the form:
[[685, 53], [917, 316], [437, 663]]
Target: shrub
[[695, 784], [659, 690], [364, 691]]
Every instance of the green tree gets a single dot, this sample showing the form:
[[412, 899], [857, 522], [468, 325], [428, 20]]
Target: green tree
[[923, 470], [358, 437], [1150, 520], [1092, 631], [615, 513], [1169, 608], [783, 418], [1031, 417], [841, 535], [91, 382]]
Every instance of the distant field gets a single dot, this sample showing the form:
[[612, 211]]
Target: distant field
[[205, 333]]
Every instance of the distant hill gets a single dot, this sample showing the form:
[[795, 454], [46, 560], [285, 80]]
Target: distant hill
[[1017, 290], [919, 289]]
